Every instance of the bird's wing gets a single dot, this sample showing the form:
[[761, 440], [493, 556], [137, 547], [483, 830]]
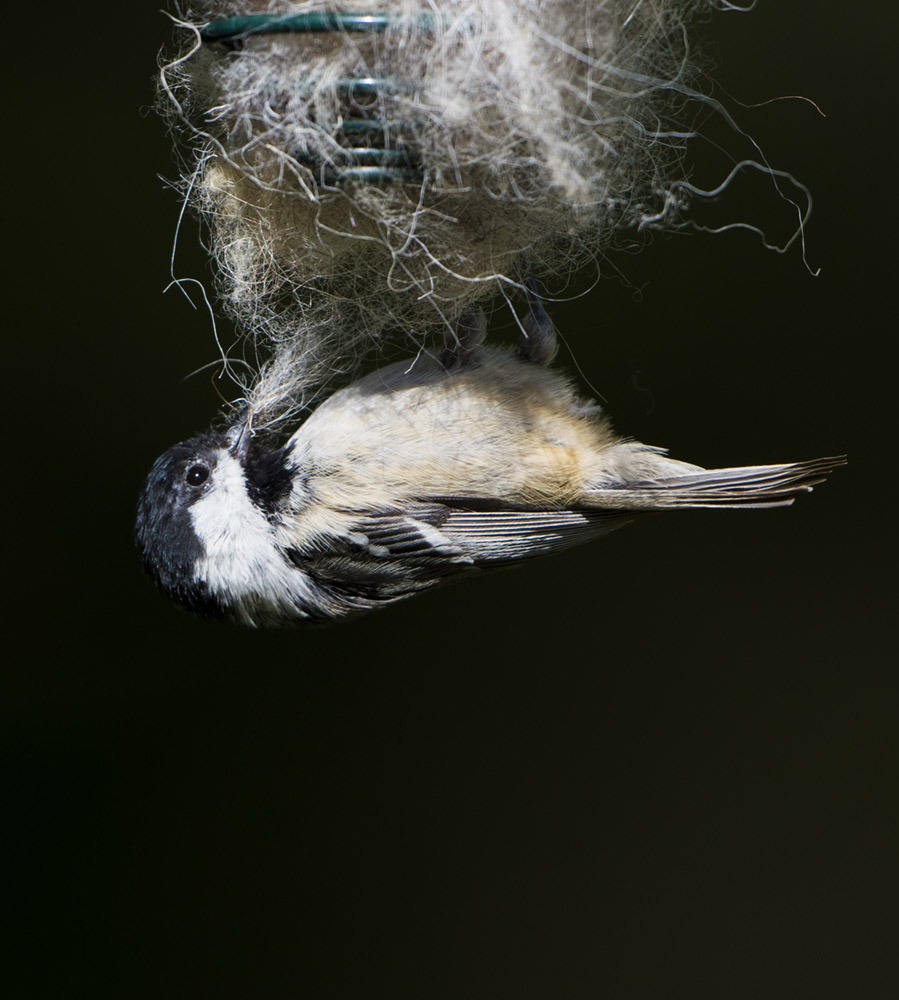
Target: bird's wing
[[391, 554], [497, 535]]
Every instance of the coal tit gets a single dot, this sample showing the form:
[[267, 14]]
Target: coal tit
[[414, 475]]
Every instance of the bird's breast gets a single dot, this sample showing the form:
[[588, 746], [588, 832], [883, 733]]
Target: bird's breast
[[505, 430]]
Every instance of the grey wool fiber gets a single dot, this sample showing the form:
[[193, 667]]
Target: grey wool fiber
[[542, 130]]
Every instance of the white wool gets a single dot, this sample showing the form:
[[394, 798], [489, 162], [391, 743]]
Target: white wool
[[544, 129]]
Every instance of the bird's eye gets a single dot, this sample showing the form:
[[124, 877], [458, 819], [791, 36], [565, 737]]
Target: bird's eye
[[196, 475]]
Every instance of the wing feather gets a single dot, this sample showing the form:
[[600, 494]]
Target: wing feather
[[501, 536], [391, 554]]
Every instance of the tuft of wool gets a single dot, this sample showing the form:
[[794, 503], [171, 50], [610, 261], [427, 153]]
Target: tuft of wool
[[542, 129]]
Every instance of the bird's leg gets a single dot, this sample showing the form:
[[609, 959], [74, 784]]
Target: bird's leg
[[464, 340], [537, 343]]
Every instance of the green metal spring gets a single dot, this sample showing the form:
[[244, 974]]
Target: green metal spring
[[363, 150]]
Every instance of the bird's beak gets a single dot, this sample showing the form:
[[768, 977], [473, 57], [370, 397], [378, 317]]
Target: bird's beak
[[240, 436]]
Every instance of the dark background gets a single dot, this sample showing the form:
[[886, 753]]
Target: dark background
[[663, 765]]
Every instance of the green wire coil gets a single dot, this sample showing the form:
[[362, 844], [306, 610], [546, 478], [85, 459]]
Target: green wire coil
[[364, 163], [276, 24]]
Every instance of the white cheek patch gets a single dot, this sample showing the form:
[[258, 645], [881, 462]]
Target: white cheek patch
[[241, 560]]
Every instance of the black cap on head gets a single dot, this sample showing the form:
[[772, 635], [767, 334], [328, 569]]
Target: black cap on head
[[164, 530]]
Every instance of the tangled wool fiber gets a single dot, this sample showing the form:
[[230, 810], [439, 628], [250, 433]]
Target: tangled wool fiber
[[528, 131]]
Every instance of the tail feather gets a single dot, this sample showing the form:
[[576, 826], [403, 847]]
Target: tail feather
[[754, 486]]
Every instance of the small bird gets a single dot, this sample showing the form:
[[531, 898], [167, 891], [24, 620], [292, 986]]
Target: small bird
[[416, 474]]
